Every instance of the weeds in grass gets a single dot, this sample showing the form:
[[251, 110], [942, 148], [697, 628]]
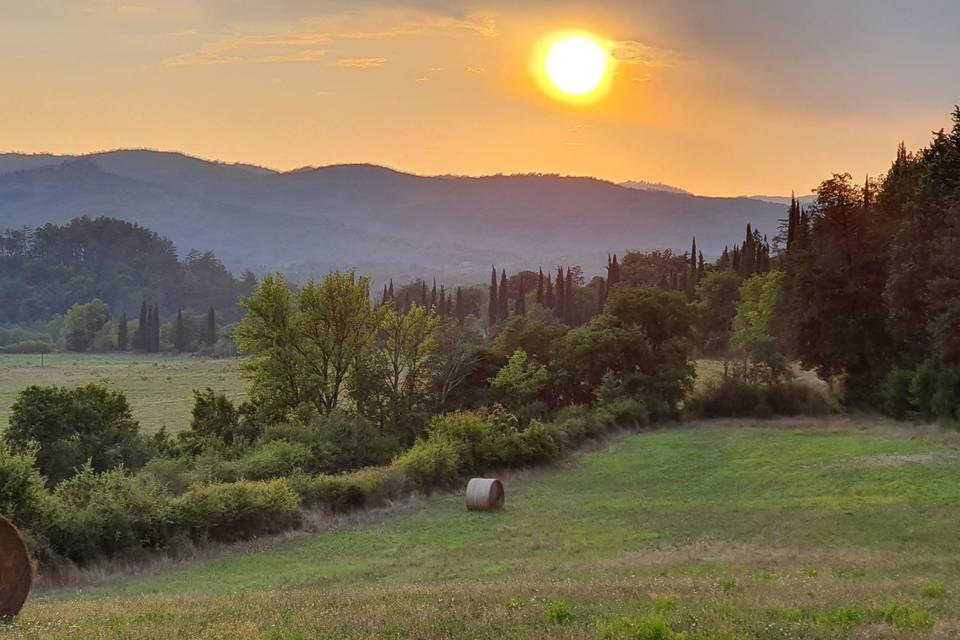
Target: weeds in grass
[[934, 590], [559, 612], [515, 603], [907, 616], [653, 627]]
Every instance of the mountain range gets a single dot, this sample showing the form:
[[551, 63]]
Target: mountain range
[[378, 220]]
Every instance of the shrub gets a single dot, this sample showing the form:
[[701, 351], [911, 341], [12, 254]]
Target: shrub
[[735, 398], [430, 464], [238, 510], [273, 460], [945, 402], [907, 616], [28, 346], [355, 490], [895, 398], [481, 439], [559, 612], [653, 627], [923, 387], [537, 444], [173, 474], [23, 496], [627, 412], [105, 513], [72, 426]]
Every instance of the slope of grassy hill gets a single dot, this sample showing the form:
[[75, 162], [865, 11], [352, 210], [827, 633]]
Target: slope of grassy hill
[[784, 529]]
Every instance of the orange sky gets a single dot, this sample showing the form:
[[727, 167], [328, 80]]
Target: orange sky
[[753, 98]]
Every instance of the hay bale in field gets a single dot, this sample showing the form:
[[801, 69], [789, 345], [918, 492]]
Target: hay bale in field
[[484, 494], [16, 571]]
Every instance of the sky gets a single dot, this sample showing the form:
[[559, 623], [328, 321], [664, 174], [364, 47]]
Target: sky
[[725, 97]]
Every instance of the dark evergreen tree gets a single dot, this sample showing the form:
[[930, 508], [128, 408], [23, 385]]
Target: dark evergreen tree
[[493, 313], [181, 342], [602, 296], [461, 312], [503, 305], [561, 303], [141, 337], [540, 298], [548, 297], [613, 273], [155, 328], [569, 305], [520, 306], [211, 337], [433, 295]]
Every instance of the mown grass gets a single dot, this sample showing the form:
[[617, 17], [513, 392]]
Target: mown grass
[[159, 387], [812, 529]]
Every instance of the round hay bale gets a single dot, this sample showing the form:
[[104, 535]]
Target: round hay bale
[[484, 494], [16, 571]]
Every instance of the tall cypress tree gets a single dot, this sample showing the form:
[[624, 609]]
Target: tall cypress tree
[[693, 263], [492, 313], [423, 294], [540, 298], [613, 273], [520, 307], [143, 329], [211, 327], [122, 332], [748, 254], [433, 295], [561, 309], [568, 300], [180, 333], [442, 303], [155, 328], [548, 298], [701, 268], [461, 312], [390, 290], [503, 306]]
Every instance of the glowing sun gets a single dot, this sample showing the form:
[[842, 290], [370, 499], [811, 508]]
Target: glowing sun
[[573, 66]]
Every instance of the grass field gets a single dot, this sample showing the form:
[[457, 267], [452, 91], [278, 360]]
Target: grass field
[[784, 529], [159, 387]]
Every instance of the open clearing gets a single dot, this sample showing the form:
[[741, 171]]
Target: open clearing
[[158, 387], [781, 529]]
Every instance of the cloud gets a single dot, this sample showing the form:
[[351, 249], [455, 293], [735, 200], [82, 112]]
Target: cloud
[[359, 63], [291, 45], [634, 52]]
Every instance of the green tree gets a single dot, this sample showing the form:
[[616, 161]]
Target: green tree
[[756, 336], [304, 345], [521, 377], [83, 322], [493, 313], [718, 295], [181, 341], [72, 426]]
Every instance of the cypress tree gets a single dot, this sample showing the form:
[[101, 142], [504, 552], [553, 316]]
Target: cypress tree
[[693, 263], [143, 329], [548, 298], [180, 333], [433, 295], [383, 296], [540, 287], [155, 326], [561, 309], [520, 307], [613, 273], [211, 327], [442, 305], [568, 299], [503, 306], [701, 268], [724, 262], [461, 315], [390, 290], [423, 294], [122, 333], [492, 313], [748, 254]]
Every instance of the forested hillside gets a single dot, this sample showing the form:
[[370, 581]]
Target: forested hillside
[[382, 222]]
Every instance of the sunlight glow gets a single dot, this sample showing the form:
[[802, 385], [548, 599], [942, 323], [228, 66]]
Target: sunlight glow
[[574, 66]]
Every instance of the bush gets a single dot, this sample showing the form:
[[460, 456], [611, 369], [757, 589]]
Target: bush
[[537, 444], [28, 346], [238, 510], [626, 412], [99, 514], [895, 398], [273, 460], [923, 387], [734, 398], [945, 402], [355, 490], [430, 464], [173, 474], [23, 496], [72, 426]]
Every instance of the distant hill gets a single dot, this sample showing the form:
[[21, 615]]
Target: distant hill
[[805, 201], [379, 220], [643, 185]]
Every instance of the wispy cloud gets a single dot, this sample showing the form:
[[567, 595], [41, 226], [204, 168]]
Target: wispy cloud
[[359, 63], [639, 53], [292, 45]]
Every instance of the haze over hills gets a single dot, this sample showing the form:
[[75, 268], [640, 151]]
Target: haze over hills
[[381, 221]]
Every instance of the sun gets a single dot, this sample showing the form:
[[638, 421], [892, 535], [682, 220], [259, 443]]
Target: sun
[[575, 66]]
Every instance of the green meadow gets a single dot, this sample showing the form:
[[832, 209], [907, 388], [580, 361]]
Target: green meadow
[[807, 528], [158, 387]]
